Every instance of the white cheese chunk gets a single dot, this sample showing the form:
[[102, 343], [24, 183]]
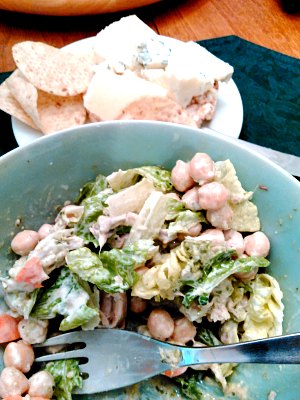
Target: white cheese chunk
[[119, 40], [210, 65], [182, 85], [109, 93]]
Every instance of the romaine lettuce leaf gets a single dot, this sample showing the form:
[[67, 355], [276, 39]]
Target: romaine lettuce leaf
[[91, 189], [265, 309], [130, 199], [159, 281], [93, 207], [93, 302], [21, 302], [174, 208], [65, 297], [245, 213], [114, 270], [92, 196], [160, 178], [88, 266], [225, 173], [150, 219], [66, 375], [184, 221]]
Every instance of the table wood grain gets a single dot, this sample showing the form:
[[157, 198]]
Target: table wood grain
[[262, 22]]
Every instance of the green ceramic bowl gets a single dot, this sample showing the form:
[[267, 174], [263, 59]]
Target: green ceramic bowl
[[35, 179]]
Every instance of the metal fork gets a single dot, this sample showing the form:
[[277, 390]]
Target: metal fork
[[119, 358]]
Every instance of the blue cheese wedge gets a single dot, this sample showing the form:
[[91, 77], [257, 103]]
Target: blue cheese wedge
[[119, 41], [153, 54], [190, 71]]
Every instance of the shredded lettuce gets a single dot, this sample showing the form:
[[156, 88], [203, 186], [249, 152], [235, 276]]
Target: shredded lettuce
[[66, 375], [65, 297], [194, 268], [183, 264], [219, 268]]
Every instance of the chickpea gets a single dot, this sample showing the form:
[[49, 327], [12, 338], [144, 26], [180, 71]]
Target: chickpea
[[193, 231], [235, 240], [180, 176], [12, 382], [35, 398], [33, 331], [172, 195], [184, 331], [19, 355], [137, 304], [213, 235], [212, 196], [191, 199], [246, 276], [160, 324], [41, 384], [202, 168], [220, 218], [45, 230], [257, 244], [24, 242]]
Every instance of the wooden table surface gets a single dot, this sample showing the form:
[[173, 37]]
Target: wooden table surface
[[261, 21]]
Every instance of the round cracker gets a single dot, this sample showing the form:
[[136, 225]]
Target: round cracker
[[25, 93], [157, 109], [11, 106], [57, 113], [50, 113], [52, 70]]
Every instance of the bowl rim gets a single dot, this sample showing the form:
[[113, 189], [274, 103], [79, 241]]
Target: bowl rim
[[121, 124]]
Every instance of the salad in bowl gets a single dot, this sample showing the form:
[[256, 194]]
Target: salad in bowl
[[178, 249]]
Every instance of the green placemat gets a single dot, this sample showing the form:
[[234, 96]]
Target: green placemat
[[269, 84]]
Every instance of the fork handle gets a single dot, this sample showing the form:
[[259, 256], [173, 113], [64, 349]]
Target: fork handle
[[276, 350]]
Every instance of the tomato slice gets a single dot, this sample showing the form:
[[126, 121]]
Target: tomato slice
[[32, 273], [172, 373], [8, 328]]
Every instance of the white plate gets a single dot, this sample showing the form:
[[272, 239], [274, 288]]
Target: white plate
[[228, 117]]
